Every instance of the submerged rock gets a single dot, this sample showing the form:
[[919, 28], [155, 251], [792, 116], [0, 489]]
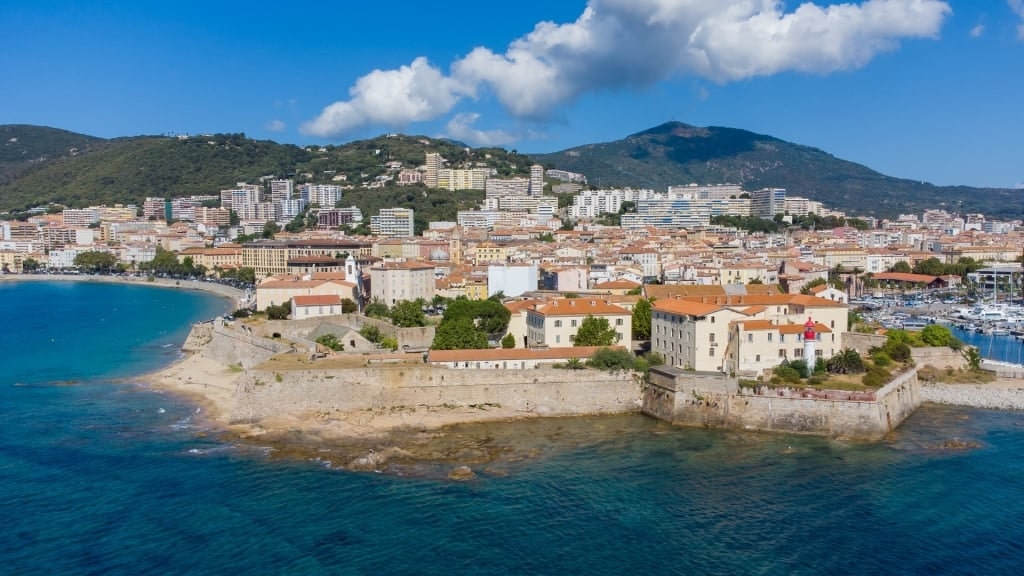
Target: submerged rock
[[461, 474], [958, 444]]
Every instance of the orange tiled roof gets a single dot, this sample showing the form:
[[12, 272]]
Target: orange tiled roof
[[579, 307], [317, 300], [495, 354], [686, 307]]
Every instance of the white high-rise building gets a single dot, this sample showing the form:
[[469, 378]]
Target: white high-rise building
[[536, 180], [434, 162], [767, 202], [281, 190], [393, 222], [324, 195]]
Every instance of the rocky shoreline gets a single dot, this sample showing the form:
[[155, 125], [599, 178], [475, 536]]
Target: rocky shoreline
[[1004, 394]]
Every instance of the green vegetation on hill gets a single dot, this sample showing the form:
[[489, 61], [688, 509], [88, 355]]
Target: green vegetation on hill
[[41, 165], [427, 204], [364, 160], [679, 154], [128, 170], [22, 147]]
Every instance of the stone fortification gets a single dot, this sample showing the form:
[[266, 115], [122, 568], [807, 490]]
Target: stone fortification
[[940, 357], [550, 392], [716, 401], [300, 329], [234, 345]]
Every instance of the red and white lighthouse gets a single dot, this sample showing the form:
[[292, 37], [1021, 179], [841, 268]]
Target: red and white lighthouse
[[810, 340]]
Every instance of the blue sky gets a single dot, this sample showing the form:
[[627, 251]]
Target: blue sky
[[924, 89]]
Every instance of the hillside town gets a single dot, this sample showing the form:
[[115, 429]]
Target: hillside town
[[717, 298]]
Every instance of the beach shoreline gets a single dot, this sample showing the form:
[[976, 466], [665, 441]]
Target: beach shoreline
[[235, 295]]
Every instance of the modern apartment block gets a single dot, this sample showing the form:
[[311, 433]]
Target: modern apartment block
[[393, 222]]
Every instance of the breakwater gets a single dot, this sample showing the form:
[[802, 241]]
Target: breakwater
[[998, 397]]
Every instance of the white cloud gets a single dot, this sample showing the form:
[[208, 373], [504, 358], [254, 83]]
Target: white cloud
[[393, 98], [1018, 8], [622, 44], [461, 128], [275, 126], [978, 31]]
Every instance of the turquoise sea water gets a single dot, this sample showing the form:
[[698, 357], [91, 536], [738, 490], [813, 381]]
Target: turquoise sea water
[[99, 476]]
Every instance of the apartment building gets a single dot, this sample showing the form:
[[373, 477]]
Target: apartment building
[[555, 323], [393, 222], [694, 332], [393, 282], [274, 257]]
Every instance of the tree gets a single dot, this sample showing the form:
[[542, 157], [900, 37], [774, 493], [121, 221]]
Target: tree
[[459, 334], [937, 335], [487, 316], [973, 357], [642, 319], [812, 284], [408, 314], [164, 262], [94, 260], [29, 265], [279, 311], [331, 341], [376, 309], [901, 266], [348, 306], [846, 361], [608, 359], [594, 332], [509, 341], [371, 333], [269, 229], [247, 274], [574, 364], [930, 267]]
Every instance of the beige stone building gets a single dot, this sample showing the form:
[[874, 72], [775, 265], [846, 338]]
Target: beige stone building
[[554, 323], [277, 291], [392, 282], [695, 332]]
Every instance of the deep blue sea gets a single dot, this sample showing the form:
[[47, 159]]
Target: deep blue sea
[[101, 476]]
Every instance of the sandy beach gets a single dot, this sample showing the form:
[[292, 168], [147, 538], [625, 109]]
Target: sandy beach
[[234, 294]]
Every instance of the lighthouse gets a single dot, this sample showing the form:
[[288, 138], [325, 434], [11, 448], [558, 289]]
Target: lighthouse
[[810, 340]]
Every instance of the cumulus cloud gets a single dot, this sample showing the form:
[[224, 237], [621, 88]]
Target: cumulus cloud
[[393, 98], [275, 126], [461, 127], [622, 44], [1018, 8]]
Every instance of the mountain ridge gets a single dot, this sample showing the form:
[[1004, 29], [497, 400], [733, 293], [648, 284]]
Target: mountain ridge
[[40, 165]]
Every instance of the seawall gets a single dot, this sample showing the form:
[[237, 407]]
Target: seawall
[[1007, 396], [542, 392], [713, 400]]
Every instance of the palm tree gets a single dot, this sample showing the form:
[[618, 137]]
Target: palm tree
[[574, 364], [846, 361]]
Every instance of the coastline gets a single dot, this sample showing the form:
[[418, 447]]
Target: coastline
[[234, 294]]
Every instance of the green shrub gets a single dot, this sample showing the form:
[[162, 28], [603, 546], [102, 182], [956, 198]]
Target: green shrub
[[787, 374], [608, 359], [880, 358], [898, 351], [876, 377]]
